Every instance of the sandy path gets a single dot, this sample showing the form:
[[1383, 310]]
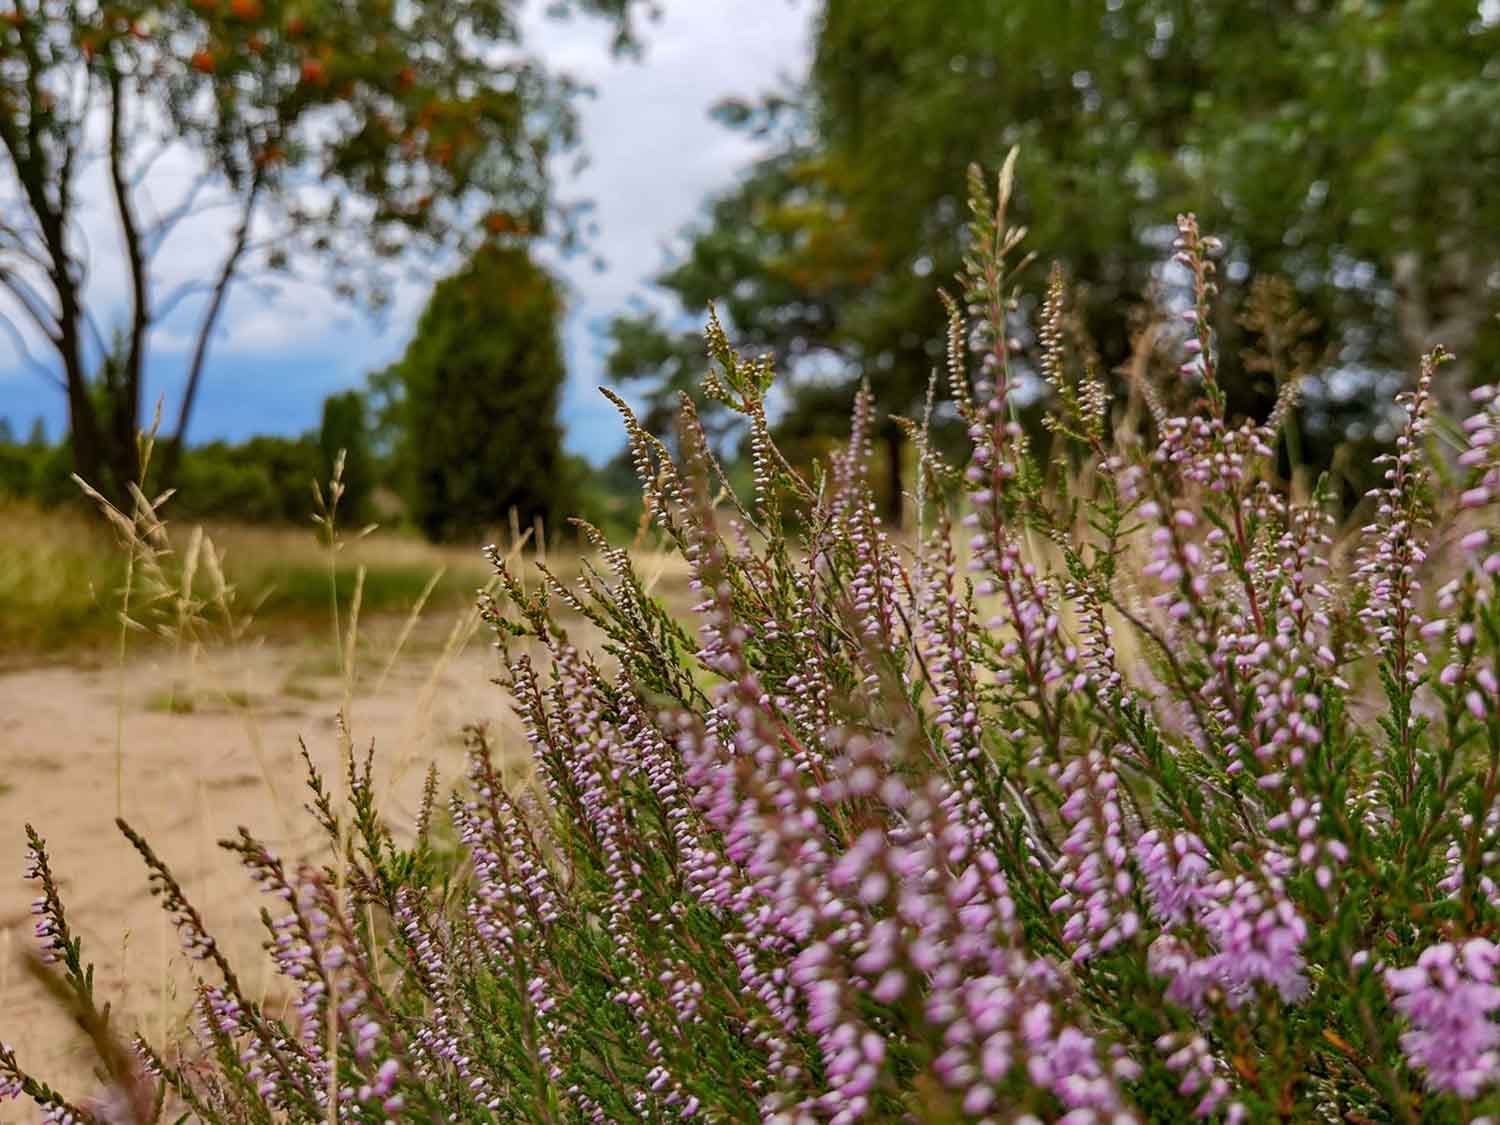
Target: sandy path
[[190, 778]]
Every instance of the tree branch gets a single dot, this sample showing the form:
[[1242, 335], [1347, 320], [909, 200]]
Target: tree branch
[[206, 328], [168, 304], [99, 342], [158, 232], [143, 169], [140, 311], [31, 302], [18, 338], [22, 243]]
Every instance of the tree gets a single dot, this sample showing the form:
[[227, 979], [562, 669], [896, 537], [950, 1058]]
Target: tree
[[338, 135], [783, 263], [1348, 147], [474, 400]]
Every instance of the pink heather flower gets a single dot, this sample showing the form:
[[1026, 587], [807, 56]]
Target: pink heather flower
[[10, 1082], [1175, 869], [1449, 998], [1474, 497]]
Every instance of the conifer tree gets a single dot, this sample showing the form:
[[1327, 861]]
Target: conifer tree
[[475, 400]]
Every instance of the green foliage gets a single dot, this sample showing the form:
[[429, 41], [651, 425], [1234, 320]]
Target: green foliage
[[475, 401], [37, 470], [1339, 145], [266, 479]]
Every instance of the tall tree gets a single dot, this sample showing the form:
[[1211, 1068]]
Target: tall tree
[[474, 400], [338, 135], [1350, 147]]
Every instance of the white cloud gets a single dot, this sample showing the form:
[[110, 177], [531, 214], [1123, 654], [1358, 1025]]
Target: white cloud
[[656, 155]]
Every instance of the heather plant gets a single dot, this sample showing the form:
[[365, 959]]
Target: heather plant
[[1133, 788]]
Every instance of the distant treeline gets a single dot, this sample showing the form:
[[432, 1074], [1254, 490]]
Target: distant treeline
[[265, 479], [269, 479]]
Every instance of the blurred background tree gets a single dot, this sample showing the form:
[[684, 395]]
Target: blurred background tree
[[345, 432], [473, 402], [1350, 146], [342, 136]]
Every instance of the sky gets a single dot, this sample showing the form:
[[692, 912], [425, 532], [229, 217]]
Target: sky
[[654, 157]]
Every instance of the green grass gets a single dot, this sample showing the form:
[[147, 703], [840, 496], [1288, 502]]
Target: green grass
[[301, 589], [183, 700], [178, 701], [62, 573], [295, 688], [58, 580]]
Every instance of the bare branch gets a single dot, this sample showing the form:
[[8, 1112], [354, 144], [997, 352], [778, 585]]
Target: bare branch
[[140, 311], [33, 303], [77, 135], [206, 327], [93, 326], [158, 232], [18, 338], [168, 304], [143, 169]]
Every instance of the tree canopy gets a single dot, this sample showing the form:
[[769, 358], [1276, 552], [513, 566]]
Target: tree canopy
[[473, 402], [1346, 145]]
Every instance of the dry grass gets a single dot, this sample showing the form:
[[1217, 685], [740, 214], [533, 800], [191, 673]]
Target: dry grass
[[192, 724], [62, 573]]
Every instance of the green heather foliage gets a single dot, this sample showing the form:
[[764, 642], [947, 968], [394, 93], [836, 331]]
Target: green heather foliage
[[475, 399], [1129, 788]]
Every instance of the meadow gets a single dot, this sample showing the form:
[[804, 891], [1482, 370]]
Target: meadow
[[62, 571]]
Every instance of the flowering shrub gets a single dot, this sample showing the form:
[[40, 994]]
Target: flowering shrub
[[1138, 798]]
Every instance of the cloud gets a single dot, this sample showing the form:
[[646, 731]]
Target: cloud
[[655, 156]]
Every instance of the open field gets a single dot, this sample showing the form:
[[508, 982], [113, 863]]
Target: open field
[[62, 572], [203, 726]]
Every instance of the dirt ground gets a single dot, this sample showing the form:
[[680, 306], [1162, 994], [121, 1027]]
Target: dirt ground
[[209, 743]]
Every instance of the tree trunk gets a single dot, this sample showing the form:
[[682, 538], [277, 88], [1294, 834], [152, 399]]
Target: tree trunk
[[126, 372], [89, 456], [98, 458]]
